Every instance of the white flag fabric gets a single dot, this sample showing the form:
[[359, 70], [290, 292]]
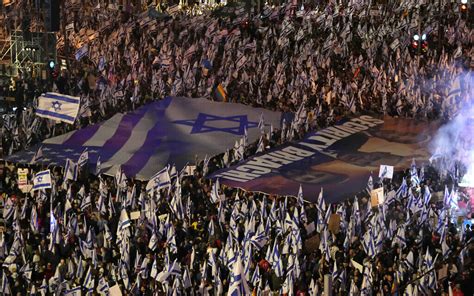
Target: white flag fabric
[[42, 180], [58, 107]]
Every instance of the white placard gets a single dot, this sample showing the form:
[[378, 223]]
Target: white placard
[[386, 171], [135, 215], [115, 291]]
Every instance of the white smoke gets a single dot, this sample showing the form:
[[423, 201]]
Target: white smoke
[[453, 145]]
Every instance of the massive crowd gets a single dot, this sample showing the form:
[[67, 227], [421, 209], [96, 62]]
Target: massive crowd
[[93, 232], [333, 60]]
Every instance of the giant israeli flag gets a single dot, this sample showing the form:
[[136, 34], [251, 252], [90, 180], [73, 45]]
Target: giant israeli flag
[[171, 131], [58, 107]]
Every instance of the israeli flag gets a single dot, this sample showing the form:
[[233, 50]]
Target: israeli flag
[[74, 292], [53, 223], [81, 52], [159, 180], [42, 180], [70, 170], [84, 158], [58, 107]]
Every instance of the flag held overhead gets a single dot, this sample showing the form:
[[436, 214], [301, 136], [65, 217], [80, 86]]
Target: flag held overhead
[[58, 107], [42, 180]]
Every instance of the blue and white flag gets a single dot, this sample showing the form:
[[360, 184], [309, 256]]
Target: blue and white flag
[[58, 107], [53, 223], [370, 184], [42, 180], [277, 263], [101, 65], [38, 155], [34, 223], [153, 243], [81, 52], [302, 217], [238, 283], [89, 279], [159, 180], [414, 174], [86, 202], [5, 285], [173, 130], [103, 286], [124, 221], [335, 272], [215, 197], [27, 272], [76, 291], [43, 290], [172, 269], [70, 170], [83, 159], [403, 189], [8, 209]]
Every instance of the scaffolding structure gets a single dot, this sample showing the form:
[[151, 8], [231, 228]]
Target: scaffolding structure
[[26, 54]]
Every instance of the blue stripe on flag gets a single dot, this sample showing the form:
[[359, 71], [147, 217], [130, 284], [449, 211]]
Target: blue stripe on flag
[[42, 174], [122, 134], [41, 186], [82, 136], [152, 141], [60, 98], [57, 115]]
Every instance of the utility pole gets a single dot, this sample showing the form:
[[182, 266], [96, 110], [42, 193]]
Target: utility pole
[[63, 29], [440, 27], [419, 34]]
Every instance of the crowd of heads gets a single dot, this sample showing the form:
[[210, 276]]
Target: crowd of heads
[[333, 60], [95, 232]]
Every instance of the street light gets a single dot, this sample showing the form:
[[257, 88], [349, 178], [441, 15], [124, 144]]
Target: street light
[[51, 64]]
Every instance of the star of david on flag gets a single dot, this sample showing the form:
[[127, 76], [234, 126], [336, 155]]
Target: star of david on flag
[[206, 123], [42, 180], [58, 107]]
